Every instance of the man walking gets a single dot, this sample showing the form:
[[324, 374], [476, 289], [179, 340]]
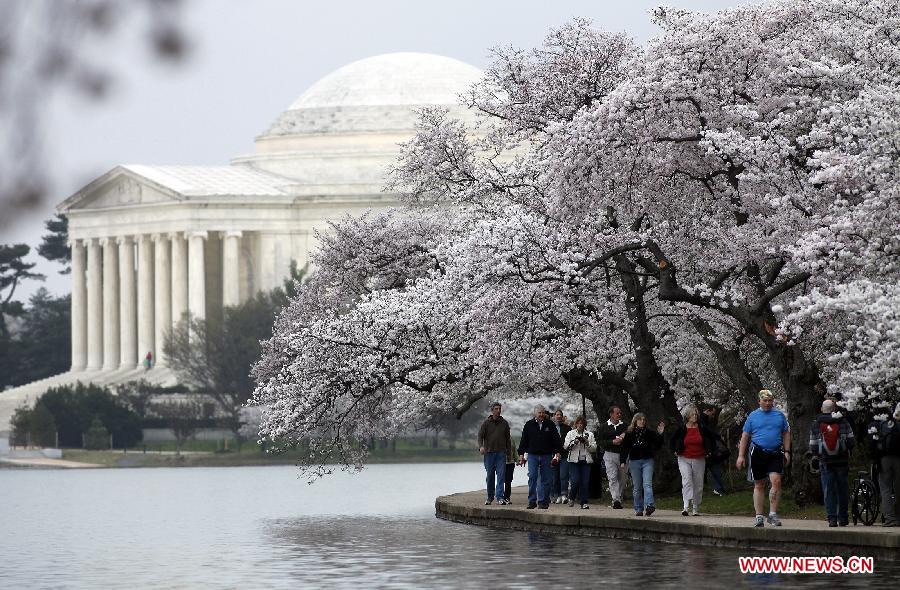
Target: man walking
[[560, 492], [494, 443], [611, 435], [831, 440], [719, 457], [540, 444], [768, 435]]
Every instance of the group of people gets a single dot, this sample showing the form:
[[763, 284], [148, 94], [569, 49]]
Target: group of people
[[559, 458]]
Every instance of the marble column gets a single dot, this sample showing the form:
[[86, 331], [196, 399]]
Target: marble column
[[79, 307], [145, 298], [231, 273], [94, 305], [179, 276], [197, 274], [127, 304], [110, 304], [162, 295]]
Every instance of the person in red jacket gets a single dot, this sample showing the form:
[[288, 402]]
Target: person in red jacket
[[692, 443]]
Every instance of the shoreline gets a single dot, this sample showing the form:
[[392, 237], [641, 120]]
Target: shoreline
[[806, 537]]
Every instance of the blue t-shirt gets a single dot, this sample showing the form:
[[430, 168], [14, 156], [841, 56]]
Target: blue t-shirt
[[766, 428]]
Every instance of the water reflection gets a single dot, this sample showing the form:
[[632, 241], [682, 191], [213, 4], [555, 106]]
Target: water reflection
[[264, 528]]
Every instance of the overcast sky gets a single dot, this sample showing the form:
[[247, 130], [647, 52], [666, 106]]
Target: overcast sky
[[250, 60]]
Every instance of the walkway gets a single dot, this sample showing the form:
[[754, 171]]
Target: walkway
[[667, 526]]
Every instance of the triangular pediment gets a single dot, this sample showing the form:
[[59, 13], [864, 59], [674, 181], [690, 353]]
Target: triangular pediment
[[117, 188]]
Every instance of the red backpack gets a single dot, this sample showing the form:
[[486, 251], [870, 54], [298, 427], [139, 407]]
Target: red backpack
[[831, 439]]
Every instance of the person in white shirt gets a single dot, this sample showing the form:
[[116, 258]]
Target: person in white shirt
[[580, 446]]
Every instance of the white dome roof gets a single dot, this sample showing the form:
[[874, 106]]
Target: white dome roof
[[392, 79]]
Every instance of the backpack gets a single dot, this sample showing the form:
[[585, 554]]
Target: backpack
[[831, 444]]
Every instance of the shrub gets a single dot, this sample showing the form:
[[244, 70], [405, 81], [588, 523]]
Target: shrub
[[74, 407]]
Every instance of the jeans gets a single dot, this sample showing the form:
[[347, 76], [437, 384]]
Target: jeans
[[715, 470], [561, 478], [641, 480], [889, 478], [581, 476], [495, 465], [834, 487], [539, 478]]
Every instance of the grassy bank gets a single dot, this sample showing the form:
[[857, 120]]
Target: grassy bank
[[214, 454], [740, 503]]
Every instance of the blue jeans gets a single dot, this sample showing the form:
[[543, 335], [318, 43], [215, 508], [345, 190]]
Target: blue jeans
[[581, 477], [715, 470], [834, 486], [495, 465], [641, 479], [539, 478], [561, 479]]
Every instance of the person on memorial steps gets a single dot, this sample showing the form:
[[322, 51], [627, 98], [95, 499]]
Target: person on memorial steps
[[540, 444], [494, 444], [768, 435], [885, 439], [610, 436], [831, 440]]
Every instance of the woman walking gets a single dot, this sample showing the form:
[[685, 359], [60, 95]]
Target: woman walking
[[580, 446], [638, 447], [692, 443]]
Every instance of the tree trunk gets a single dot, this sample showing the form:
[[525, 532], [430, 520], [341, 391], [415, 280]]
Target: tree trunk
[[746, 381]]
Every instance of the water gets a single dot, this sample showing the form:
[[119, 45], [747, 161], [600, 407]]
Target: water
[[264, 527]]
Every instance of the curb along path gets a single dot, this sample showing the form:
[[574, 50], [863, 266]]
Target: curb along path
[[667, 526]]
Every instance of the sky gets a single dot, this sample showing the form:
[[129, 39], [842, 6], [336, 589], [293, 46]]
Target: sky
[[250, 60]]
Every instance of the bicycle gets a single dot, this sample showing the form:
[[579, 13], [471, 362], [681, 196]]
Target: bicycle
[[866, 501]]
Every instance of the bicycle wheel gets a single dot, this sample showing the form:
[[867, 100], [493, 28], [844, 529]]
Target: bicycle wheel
[[865, 502]]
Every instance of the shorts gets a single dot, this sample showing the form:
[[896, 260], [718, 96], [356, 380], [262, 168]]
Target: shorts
[[762, 463]]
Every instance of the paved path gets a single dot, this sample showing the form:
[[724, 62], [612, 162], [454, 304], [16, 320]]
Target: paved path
[[668, 526]]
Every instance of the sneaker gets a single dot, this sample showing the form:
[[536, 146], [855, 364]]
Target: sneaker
[[571, 502], [487, 502], [832, 523], [553, 499], [684, 512], [695, 512], [561, 500], [531, 506], [639, 513], [543, 506], [843, 522], [760, 521], [584, 506], [502, 502], [617, 505], [719, 492], [650, 509], [773, 519]]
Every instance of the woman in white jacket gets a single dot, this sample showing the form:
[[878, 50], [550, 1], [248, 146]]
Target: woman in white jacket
[[580, 446]]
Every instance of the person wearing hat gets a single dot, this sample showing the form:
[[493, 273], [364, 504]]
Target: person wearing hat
[[767, 434]]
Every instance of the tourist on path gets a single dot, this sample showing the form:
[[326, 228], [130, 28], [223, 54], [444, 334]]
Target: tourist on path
[[716, 461], [511, 459], [768, 435], [580, 446], [831, 440], [494, 444], [885, 436], [611, 435], [560, 491], [638, 447], [692, 443], [540, 444]]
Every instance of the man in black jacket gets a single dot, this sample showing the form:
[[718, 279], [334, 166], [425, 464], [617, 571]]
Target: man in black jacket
[[610, 438], [560, 491], [540, 445]]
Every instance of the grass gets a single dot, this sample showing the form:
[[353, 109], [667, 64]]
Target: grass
[[740, 503]]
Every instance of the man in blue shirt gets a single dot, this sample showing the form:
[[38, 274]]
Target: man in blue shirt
[[768, 435]]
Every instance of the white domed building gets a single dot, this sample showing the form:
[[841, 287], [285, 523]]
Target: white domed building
[[150, 243]]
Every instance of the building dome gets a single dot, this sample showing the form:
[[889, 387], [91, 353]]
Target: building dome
[[340, 136], [394, 79]]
